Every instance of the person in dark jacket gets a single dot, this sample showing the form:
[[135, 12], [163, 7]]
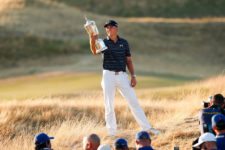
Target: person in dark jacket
[[216, 106]]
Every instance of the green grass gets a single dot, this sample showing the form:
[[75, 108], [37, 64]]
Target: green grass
[[41, 86], [70, 83]]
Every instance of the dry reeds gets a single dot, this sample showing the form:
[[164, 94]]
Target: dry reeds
[[70, 118]]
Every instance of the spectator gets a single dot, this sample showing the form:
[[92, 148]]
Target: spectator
[[42, 142], [218, 125], [205, 116], [91, 142], [121, 144], [143, 141], [104, 147], [206, 141]]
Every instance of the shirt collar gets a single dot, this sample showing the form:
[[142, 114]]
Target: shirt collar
[[111, 40], [146, 148], [221, 135]]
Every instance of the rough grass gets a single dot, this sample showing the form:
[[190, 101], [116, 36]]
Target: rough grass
[[70, 117], [11, 4]]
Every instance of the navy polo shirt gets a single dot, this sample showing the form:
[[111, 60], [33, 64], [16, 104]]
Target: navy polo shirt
[[146, 148], [114, 58], [220, 141]]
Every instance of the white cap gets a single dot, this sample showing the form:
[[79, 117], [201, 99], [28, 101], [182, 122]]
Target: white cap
[[104, 147], [209, 98], [206, 137]]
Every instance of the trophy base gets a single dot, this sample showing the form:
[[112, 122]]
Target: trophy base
[[100, 46], [101, 50]]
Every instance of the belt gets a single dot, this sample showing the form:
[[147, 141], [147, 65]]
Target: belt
[[116, 71]]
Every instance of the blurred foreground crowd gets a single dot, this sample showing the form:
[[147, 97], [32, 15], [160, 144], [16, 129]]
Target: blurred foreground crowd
[[212, 128], [212, 125], [93, 142]]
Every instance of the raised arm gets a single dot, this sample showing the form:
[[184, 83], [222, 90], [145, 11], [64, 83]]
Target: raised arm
[[92, 43]]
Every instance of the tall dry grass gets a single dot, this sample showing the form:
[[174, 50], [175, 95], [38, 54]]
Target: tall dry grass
[[11, 4], [6, 6], [172, 110]]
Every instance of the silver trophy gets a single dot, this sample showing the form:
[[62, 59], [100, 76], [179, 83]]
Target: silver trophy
[[91, 28]]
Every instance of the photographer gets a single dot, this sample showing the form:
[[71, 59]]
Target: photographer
[[216, 106]]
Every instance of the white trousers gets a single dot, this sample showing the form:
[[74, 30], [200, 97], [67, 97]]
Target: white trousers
[[111, 81]]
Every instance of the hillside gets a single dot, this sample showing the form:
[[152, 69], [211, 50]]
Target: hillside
[[50, 82], [70, 116], [46, 34], [151, 8]]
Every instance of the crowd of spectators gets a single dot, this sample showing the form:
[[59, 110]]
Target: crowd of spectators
[[211, 122], [93, 142]]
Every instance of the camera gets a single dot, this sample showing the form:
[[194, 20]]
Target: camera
[[205, 104]]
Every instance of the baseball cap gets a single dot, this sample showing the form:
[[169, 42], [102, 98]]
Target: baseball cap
[[218, 121], [104, 147], [142, 135], [111, 23], [206, 137], [42, 138], [120, 143]]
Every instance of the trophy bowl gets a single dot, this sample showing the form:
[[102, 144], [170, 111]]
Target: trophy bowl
[[92, 29]]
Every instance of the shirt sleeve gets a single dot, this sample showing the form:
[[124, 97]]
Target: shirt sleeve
[[128, 54]]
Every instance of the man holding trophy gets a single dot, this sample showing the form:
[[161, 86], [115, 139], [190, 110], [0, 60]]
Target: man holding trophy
[[116, 57]]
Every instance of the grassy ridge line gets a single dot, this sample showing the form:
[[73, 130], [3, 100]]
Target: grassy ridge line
[[204, 20], [11, 4], [153, 8], [69, 119]]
